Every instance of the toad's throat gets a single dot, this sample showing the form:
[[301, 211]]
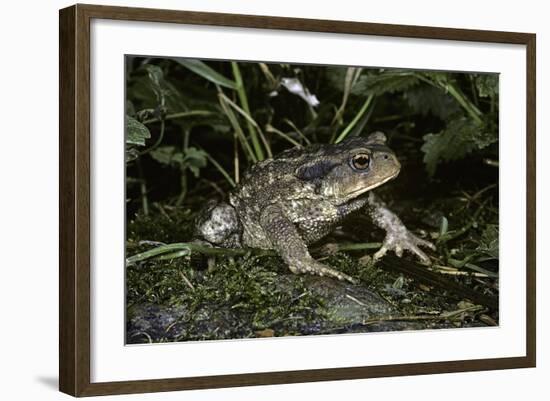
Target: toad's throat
[[362, 190]]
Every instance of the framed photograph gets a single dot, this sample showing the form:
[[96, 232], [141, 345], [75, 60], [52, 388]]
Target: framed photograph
[[250, 200]]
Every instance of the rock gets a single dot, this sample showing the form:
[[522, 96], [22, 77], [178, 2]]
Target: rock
[[346, 307]]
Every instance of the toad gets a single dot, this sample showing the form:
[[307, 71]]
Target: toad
[[293, 200]]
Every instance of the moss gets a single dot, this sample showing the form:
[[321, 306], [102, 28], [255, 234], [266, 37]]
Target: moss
[[255, 296]]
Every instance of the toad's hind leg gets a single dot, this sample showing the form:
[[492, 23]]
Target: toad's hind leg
[[287, 241]]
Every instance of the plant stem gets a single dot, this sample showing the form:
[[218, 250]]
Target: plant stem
[[244, 103], [274, 130], [466, 104], [182, 247], [249, 120], [143, 189], [295, 128], [359, 246], [220, 169], [183, 192], [353, 122], [470, 108], [157, 142], [236, 127], [236, 162], [183, 171], [182, 114]]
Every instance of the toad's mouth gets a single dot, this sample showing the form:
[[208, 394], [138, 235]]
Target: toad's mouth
[[362, 190]]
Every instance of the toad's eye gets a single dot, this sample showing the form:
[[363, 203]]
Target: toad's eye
[[360, 161]]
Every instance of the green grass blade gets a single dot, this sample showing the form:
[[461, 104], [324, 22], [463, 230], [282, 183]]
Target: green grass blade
[[243, 99], [352, 124], [200, 68]]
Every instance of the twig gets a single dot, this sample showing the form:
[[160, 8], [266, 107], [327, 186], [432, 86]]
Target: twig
[[441, 316], [435, 279], [471, 266], [186, 280], [144, 334], [163, 212], [462, 273], [356, 300]]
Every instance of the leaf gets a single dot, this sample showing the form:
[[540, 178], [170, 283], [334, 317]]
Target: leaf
[[200, 68], [136, 132], [459, 138], [152, 91], [131, 153], [156, 78], [489, 241], [487, 85], [192, 158], [167, 155], [195, 159], [444, 226], [425, 99], [216, 122], [336, 77], [130, 109], [384, 82]]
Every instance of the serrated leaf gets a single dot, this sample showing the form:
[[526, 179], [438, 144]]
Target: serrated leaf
[[195, 159], [216, 121], [459, 138], [487, 85], [425, 100], [192, 158], [208, 73], [136, 132], [167, 155], [390, 81]]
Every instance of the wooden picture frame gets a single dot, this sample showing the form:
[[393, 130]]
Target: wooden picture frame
[[74, 205]]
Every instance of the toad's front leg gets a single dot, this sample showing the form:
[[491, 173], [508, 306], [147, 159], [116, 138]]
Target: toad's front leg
[[286, 240], [398, 237]]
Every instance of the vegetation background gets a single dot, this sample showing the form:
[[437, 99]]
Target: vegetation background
[[193, 127]]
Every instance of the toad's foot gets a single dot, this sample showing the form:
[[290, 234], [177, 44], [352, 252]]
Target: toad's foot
[[398, 238], [289, 244], [316, 268], [402, 239]]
